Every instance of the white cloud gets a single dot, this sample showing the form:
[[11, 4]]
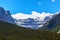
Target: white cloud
[[34, 14], [53, 0]]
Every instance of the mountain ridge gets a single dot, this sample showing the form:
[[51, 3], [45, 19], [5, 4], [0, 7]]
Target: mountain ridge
[[6, 16], [53, 24], [29, 22]]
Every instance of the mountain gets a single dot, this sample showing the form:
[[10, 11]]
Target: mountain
[[6, 16], [52, 25], [29, 23], [10, 31], [33, 23]]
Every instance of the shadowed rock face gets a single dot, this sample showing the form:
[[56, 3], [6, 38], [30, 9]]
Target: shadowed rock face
[[8, 13], [53, 23], [6, 16], [2, 12]]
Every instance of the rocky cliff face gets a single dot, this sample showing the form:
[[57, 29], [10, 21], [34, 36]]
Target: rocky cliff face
[[6, 16]]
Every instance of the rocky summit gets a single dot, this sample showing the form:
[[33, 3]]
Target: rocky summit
[[6, 16]]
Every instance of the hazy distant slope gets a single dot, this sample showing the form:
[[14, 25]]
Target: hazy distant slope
[[13, 32], [56, 29]]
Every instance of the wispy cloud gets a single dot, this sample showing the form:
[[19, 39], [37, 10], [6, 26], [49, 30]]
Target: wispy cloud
[[53, 0]]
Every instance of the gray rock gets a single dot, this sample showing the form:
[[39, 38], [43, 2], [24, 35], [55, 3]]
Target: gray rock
[[6, 16]]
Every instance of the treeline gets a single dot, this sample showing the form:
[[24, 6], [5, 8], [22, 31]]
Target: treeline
[[13, 32]]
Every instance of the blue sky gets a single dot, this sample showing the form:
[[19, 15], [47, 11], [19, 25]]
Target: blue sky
[[27, 6]]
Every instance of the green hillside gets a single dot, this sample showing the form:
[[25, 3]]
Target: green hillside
[[56, 29], [13, 32]]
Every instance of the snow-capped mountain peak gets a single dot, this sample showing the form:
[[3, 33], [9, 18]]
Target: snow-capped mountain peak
[[33, 23], [33, 20]]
